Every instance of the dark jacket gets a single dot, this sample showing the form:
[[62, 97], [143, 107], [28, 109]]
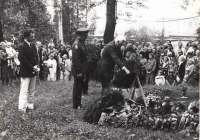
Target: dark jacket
[[110, 55], [181, 70], [28, 58], [79, 58]]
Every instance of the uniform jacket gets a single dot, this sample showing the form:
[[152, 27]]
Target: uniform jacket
[[79, 58], [110, 55], [28, 58]]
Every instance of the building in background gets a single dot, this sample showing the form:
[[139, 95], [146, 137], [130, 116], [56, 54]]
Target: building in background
[[182, 29]]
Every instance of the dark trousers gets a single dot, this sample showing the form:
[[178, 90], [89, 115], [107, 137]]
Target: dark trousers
[[77, 90], [3, 81], [105, 82], [85, 85]]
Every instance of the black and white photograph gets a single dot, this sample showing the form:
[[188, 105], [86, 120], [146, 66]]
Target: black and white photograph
[[99, 69]]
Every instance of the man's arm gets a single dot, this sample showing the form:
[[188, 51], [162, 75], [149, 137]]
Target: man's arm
[[76, 60], [113, 53]]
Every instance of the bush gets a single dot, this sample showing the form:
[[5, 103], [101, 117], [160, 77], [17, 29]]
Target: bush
[[93, 57], [93, 111]]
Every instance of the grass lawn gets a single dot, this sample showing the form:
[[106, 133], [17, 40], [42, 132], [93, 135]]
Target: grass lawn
[[54, 117]]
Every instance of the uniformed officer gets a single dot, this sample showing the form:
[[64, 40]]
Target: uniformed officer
[[79, 65]]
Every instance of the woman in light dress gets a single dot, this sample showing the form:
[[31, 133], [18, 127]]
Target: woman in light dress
[[52, 65]]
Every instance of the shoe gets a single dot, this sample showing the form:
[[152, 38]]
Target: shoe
[[22, 110], [184, 97], [22, 114], [30, 106], [80, 106]]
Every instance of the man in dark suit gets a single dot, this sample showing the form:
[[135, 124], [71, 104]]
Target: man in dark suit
[[28, 58], [79, 66], [110, 55]]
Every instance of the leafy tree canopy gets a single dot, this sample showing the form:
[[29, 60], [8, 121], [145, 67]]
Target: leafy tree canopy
[[143, 34], [17, 15]]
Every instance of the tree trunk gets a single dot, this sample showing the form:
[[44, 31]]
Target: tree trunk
[[110, 22], [1, 31], [1, 25]]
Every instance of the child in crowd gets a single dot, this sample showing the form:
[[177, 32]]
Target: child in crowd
[[160, 79], [62, 70], [150, 68], [165, 65], [69, 65], [52, 65], [162, 55], [10, 52], [171, 77], [68, 48], [63, 67]]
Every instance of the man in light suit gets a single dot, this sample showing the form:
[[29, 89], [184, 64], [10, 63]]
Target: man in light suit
[[28, 58]]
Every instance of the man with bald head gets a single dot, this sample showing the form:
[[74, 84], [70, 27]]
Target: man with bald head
[[111, 54]]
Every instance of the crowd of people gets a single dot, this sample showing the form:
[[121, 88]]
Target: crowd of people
[[175, 66], [165, 64], [33, 61], [55, 62]]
